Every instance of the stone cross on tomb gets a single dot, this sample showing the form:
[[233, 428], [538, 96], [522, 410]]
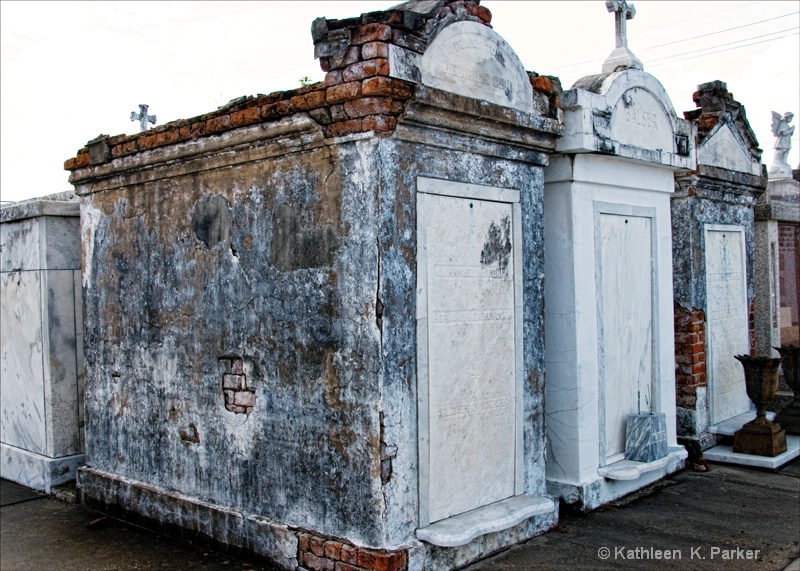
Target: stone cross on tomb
[[621, 58], [143, 117]]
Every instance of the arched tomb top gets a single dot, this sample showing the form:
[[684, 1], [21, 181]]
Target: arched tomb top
[[631, 116], [472, 60]]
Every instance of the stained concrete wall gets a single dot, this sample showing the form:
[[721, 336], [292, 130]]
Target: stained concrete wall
[[721, 192], [251, 324]]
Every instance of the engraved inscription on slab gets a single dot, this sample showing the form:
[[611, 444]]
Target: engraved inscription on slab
[[470, 59], [639, 119], [727, 322], [469, 255]]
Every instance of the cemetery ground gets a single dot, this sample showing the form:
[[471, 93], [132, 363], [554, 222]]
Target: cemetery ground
[[728, 518]]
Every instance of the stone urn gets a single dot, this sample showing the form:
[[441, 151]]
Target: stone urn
[[789, 416], [760, 436], [646, 436]]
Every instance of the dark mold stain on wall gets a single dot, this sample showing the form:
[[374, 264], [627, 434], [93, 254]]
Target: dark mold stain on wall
[[211, 220], [295, 247], [497, 247]]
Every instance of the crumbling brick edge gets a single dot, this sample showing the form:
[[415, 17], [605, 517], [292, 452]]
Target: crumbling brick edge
[[208, 525], [357, 95]]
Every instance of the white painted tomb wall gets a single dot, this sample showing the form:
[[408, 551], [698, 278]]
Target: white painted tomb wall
[[41, 334], [585, 362], [609, 335]]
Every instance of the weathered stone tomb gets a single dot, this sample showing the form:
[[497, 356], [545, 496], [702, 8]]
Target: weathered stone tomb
[[41, 395], [713, 244], [608, 308], [315, 318]]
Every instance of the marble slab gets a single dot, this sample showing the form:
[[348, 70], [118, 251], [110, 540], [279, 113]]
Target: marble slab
[[22, 402], [471, 354], [730, 426], [632, 470], [724, 453], [472, 60], [469, 347], [625, 293], [36, 471], [462, 529], [646, 437], [727, 317]]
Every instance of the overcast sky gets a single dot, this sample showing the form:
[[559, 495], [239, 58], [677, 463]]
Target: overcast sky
[[74, 70]]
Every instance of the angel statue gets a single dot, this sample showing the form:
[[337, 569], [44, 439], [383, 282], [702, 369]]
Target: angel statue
[[780, 128]]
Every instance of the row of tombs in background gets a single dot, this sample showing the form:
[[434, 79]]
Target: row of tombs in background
[[390, 319]]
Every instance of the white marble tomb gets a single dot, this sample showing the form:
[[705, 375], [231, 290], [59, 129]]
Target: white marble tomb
[[41, 415], [608, 283]]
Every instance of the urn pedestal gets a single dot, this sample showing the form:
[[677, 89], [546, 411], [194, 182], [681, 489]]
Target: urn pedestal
[[789, 416], [760, 436]]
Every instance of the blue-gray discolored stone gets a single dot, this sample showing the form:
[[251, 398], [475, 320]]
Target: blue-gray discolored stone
[[646, 437]]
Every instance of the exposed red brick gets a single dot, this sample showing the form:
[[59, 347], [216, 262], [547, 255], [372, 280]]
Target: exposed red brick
[[274, 110], [346, 567], [126, 148], [397, 107], [349, 554], [197, 130], [484, 14], [316, 545], [332, 549], [246, 117], [311, 561], [333, 78], [343, 92], [308, 101], [168, 137], [371, 33], [344, 128], [378, 123], [381, 561], [303, 541], [386, 86], [363, 69], [144, 143], [541, 83], [71, 164], [367, 106], [374, 50], [218, 124]]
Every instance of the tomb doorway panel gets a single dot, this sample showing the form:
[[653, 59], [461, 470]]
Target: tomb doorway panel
[[469, 347], [726, 319]]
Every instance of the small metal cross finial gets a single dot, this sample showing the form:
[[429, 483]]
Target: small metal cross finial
[[621, 58], [622, 12], [143, 117]]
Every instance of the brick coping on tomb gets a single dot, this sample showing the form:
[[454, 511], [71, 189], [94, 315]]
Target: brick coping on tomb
[[356, 96]]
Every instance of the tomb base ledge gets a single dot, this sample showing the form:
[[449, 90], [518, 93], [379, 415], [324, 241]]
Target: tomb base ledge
[[36, 471], [724, 454], [463, 528], [590, 495]]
